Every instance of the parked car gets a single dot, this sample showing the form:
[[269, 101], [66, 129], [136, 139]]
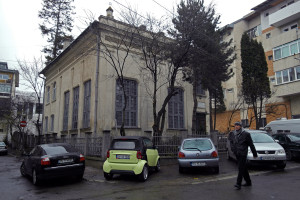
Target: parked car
[[290, 142], [55, 160], [283, 125], [131, 155], [3, 148], [268, 150], [198, 153]]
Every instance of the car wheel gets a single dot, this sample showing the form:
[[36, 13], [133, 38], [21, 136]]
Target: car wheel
[[281, 165], [108, 176], [35, 179], [22, 169], [289, 155], [145, 173], [157, 167], [181, 170]]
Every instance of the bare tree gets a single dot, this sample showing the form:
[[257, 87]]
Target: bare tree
[[33, 81]]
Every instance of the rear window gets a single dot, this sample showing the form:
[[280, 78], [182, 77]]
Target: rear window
[[54, 150], [124, 144], [198, 144]]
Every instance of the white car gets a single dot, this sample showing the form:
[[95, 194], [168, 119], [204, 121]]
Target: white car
[[268, 150]]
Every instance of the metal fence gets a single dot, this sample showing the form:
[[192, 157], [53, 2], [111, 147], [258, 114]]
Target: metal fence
[[167, 145]]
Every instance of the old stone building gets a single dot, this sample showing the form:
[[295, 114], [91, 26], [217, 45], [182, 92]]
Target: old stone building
[[83, 95]]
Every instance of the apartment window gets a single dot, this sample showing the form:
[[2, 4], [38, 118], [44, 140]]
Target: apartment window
[[288, 75], [176, 111], [54, 92], [291, 74], [268, 35], [130, 87], [66, 111], [48, 94], [272, 80], [254, 32], [46, 125], [278, 77], [283, 6], [298, 72], [266, 14], [87, 104], [52, 123], [263, 122], [75, 108], [270, 57], [286, 50], [285, 76], [294, 26]]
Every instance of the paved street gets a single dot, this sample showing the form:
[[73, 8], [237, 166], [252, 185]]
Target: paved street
[[268, 183]]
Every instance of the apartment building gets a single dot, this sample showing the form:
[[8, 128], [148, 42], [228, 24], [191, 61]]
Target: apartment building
[[9, 80], [83, 93], [274, 23]]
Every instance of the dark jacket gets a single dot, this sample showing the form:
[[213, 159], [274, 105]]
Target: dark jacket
[[239, 143]]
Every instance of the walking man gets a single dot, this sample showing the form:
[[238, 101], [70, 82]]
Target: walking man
[[240, 140]]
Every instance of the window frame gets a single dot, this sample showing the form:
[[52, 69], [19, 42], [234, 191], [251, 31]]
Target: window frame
[[86, 104], [66, 110], [176, 110], [75, 107], [54, 92]]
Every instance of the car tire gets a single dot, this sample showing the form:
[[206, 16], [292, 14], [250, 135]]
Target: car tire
[[35, 178], [108, 176], [181, 170], [145, 173], [289, 155], [22, 169], [281, 165], [157, 167]]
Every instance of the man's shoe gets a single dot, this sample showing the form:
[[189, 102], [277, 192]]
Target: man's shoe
[[237, 187], [247, 184]]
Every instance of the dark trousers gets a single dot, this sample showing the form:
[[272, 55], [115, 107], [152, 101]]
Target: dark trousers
[[243, 171]]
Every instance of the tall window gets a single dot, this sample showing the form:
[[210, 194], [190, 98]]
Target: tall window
[[66, 111], [75, 108], [199, 89], [48, 94], [176, 111], [86, 104], [54, 92], [52, 123], [131, 108], [46, 125]]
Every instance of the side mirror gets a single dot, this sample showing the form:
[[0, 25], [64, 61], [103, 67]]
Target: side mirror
[[277, 141]]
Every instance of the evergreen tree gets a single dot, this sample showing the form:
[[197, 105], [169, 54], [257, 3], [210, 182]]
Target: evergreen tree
[[56, 25], [209, 56], [255, 85]]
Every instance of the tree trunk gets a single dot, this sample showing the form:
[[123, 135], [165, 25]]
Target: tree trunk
[[194, 118]]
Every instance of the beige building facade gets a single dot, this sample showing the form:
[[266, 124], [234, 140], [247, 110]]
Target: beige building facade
[[83, 95], [274, 23]]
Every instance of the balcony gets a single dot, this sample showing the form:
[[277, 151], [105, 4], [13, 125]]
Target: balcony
[[285, 15]]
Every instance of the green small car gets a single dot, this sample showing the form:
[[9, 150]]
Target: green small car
[[133, 155]]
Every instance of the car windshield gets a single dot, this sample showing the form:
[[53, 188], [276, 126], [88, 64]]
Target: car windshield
[[124, 144], [2, 143], [261, 138], [54, 150], [197, 144], [294, 137]]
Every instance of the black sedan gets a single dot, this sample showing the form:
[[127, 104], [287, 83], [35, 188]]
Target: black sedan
[[290, 142], [55, 160]]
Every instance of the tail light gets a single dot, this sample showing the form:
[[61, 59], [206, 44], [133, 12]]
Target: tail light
[[181, 155], [82, 158], [214, 154], [107, 154], [45, 161], [139, 155]]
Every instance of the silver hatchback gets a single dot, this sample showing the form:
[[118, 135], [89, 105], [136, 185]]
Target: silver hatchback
[[198, 153]]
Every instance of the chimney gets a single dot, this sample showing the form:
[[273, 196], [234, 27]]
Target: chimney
[[109, 12]]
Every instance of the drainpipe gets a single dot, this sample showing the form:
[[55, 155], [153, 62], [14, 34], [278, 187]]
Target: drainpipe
[[97, 82]]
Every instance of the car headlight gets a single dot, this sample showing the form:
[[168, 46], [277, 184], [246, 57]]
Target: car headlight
[[281, 151]]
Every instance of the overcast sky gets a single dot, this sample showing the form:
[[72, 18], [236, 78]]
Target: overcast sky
[[20, 37]]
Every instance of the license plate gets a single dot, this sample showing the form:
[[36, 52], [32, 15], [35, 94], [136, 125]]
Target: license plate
[[198, 164], [65, 161], [122, 156], [267, 158]]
